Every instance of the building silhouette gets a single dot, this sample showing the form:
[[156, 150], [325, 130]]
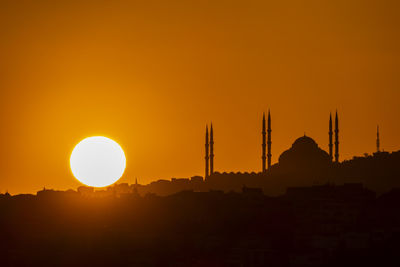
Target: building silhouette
[[304, 157], [269, 142], [305, 210], [330, 137], [304, 164], [266, 145], [207, 157], [336, 138], [263, 145], [211, 150], [378, 141]]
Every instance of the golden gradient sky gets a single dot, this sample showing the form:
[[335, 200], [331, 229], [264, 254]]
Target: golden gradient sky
[[151, 74]]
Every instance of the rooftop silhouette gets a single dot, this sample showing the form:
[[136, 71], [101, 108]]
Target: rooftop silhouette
[[324, 225], [308, 209]]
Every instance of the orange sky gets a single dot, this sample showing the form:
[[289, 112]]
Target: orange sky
[[151, 74]]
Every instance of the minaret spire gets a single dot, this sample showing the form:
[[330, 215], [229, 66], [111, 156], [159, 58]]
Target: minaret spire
[[135, 188], [269, 155], [263, 157], [336, 138], [207, 158], [378, 141], [330, 137], [211, 150]]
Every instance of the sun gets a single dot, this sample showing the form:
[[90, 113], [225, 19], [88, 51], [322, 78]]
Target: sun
[[97, 161]]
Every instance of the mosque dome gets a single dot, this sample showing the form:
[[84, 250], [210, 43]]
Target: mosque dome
[[304, 142], [304, 156]]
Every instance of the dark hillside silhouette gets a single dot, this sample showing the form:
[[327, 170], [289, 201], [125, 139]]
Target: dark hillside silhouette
[[304, 164], [308, 209], [323, 225]]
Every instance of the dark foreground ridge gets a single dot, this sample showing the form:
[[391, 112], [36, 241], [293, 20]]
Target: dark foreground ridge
[[326, 225], [308, 209], [304, 164]]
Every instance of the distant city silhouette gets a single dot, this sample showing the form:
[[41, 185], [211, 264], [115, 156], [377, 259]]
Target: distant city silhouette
[[325, 225], [308, 209], [303, 164]]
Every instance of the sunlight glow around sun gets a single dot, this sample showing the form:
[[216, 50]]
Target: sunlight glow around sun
[[97, 161]]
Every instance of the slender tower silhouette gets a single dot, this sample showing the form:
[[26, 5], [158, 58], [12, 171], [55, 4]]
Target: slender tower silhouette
[[269, 155], [378, 141], [135, 187], [211, 150], [330, 137], [336, 138], [264, 145], [207, 153]]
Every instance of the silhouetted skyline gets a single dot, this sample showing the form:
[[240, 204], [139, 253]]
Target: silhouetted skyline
[[305, 163], [247, 133], [150, 75], [324, 225], [266, 150]]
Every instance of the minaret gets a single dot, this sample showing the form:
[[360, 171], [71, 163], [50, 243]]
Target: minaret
[[269, 155], [330, 137], [378, 142], [211, 150], [263, 157], [207, 154], [336, 138], [135, 187]]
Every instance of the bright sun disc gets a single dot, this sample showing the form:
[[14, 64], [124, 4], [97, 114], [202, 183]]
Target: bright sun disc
[[97, 161]]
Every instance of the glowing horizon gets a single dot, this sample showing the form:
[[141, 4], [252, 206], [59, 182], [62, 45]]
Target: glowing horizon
[[153, 74]]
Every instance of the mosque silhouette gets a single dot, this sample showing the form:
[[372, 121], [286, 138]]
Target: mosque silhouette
[[303, 164], [302, 156], [308, 209]]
